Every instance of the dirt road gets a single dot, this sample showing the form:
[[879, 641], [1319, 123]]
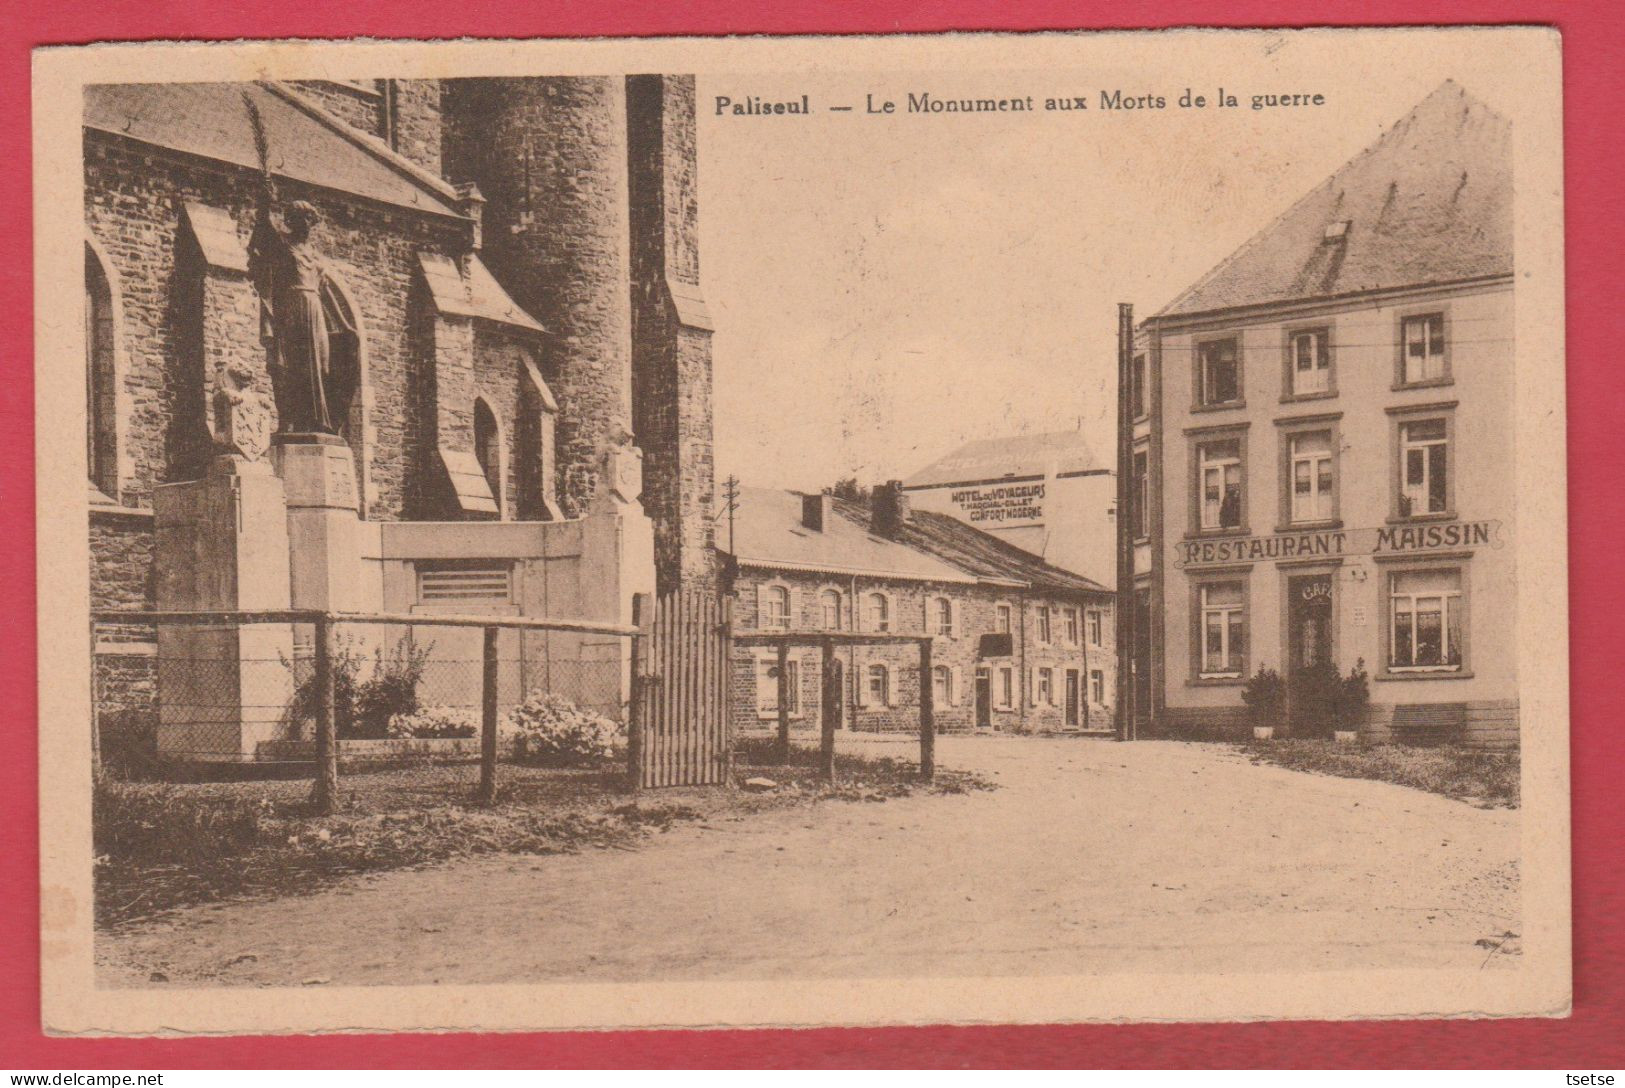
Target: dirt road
[[1093, 856]]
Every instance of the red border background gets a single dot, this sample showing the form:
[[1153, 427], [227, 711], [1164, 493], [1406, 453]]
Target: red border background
[[1594, 1037]]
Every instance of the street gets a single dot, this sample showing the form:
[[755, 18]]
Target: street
[[1091, 857]]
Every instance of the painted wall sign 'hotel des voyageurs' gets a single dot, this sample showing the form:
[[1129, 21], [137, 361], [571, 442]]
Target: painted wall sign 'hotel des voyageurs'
[[1320, 432]]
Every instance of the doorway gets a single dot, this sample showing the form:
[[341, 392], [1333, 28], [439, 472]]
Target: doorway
[[984, 697], [1311, 671]]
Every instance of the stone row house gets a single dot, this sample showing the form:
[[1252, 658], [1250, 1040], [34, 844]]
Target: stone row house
[[1018, 645]]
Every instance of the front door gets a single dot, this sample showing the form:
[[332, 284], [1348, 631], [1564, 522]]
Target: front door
[[1309, 653], [1074, 698], [984, 698]]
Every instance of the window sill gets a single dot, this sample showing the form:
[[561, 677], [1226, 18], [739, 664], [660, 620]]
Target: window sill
[[1142, 540], [1422, 519], [1216, 534], [1216, 682], [1229, 405], [1433, 383], [1296, 398], [1462, 674], [1310, 526]]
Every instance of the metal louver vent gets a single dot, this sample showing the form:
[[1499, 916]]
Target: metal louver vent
[[469, 584]]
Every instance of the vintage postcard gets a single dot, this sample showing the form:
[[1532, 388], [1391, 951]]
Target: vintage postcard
[[718, 533]]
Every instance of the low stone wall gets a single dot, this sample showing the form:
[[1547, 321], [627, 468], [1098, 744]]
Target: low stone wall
[[390, 750], [1490, 725]]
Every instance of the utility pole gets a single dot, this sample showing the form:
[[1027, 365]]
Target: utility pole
[[1125, 529], [730, 494]]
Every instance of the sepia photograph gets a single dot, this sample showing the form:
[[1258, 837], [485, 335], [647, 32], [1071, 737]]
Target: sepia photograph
[[945, 529]]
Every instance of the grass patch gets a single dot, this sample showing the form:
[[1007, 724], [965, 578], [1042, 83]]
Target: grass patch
[[1484, 779], [160, 846]]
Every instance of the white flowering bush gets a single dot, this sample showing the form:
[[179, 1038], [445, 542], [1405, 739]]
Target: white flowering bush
[[550, 730], [430, 722]]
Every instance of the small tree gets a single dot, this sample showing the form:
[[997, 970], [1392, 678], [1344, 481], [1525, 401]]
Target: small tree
[[362, 708], [1265, 696], [392, 690]]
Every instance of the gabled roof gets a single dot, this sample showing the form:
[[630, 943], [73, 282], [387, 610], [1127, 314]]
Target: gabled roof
[[305, 143], [1017, 455], [982, 554], [1430, 202], [768, 532]]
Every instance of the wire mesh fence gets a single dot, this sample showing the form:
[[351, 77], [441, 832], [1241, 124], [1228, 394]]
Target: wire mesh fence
[[375, 713]]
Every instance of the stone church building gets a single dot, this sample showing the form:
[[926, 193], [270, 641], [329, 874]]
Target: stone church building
[[505, 273]]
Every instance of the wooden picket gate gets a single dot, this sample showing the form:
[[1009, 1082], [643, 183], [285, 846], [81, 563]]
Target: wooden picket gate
[[681, 732]]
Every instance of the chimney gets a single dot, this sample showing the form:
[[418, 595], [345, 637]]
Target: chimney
[[815, 511], [889, 508], [471, 202]]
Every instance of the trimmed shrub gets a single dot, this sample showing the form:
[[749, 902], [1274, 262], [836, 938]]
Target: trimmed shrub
[[1354, 698], [551, 731], [1265, 696]]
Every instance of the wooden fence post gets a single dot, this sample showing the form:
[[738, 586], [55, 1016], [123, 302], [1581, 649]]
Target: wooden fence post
[[928, 729], [784, 701], [831, 692], [725, 687], [643, 616], [488, 718], [327, 741]]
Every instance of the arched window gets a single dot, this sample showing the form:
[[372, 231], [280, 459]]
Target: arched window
[[776, 607], [879, 612], [488, 449], [101, 380], [829, 609]]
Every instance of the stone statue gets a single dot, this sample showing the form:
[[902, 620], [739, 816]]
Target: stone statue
[[296, 319]]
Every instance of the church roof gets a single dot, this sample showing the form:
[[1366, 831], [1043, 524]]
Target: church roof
[[1430, 202], [989, 459], [305, 143]]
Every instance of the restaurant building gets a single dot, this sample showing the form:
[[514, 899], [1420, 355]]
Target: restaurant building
[[1018, 645], [1321, 434]]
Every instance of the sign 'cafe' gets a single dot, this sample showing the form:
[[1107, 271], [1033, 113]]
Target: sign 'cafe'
[[1331, 543]]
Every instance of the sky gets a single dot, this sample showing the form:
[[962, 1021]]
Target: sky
[[886, 287]]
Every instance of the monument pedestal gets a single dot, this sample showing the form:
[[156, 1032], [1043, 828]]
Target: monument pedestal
[[222, 545], [323, 529], [617, 563]]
